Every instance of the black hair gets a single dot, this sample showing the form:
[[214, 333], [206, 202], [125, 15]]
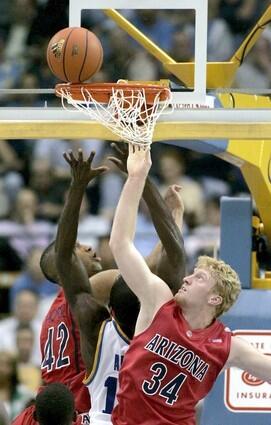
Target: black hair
[[125, 306], [54, 405], [44, 262]]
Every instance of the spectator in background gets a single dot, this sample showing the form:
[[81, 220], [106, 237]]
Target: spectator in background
[[22, 14], [146, 236], [241, 15], [220, 42], [110, 185], [29, 374], [10, 179], [91, 227], [142, 67], [13, 394], [255, 72], [172, 170], [205, 239], [10, 70], [23, 229], [32, 279], [117, 53], [48, 188], [24, 313], [154, 25]]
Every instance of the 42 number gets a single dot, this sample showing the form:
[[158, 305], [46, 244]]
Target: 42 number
[[51, 359]]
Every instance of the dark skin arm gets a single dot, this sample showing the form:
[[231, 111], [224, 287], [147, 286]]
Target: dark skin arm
[[170, 264], [73, 276]]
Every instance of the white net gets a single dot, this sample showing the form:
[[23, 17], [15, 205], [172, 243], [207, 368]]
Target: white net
[[127, 113]]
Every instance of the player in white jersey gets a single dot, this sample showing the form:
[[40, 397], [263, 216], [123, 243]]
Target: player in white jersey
[[103, 379]]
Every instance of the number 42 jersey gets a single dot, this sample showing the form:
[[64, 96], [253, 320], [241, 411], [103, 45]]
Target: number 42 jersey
[[103, 380], [60, 349]]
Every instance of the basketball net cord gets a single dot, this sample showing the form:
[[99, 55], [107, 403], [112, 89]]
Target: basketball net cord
[[127, 115]]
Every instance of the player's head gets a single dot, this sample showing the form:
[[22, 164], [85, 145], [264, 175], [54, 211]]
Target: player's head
[[125, 306], [213, 285], [87, 255], [54, 405]]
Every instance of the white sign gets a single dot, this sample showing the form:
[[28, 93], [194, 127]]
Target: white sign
[[244, 392]]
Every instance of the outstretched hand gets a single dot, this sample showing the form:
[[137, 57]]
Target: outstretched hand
[[81, 169], [173, 198], [139, 161], [121, 152]]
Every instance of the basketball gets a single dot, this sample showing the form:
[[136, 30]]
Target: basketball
[[74, 54]]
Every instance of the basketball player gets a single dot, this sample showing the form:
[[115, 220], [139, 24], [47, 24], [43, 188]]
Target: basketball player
[[104, 343], [54, 405], [59, 339], [179, 347]]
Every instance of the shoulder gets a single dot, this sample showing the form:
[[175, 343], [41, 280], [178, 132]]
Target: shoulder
[[157, 295]]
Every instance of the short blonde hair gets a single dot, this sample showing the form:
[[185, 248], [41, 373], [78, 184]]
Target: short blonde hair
[[227, 285]]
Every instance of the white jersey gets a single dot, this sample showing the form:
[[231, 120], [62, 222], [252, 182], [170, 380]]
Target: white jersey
[[103, 380]]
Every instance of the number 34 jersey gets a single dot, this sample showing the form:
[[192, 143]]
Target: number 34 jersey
[[168, 369], [103, 380]]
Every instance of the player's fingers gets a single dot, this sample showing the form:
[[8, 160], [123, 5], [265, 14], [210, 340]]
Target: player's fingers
[[118, 149], [101, 169], [91, 156], [80, 155], [72, 157], [66, 157], [115, 160]]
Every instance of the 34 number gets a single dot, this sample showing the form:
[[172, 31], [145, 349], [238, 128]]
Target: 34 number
[[170, 391]]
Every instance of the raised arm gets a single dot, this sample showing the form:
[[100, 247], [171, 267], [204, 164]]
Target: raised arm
[[244, 356], [131, 264], [71, 270], [168, 260]]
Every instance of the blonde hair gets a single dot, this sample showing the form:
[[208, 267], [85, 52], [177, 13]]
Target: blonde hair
[[227, 282]]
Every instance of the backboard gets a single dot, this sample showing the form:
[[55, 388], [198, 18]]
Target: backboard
[[113, 10]]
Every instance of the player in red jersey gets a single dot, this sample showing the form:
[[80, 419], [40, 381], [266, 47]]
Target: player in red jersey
[[59, 339], [179, 346]]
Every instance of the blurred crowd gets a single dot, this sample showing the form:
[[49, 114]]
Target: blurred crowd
[[34, 177]]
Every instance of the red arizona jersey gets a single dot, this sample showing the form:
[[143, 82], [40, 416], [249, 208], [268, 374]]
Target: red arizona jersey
[[60, 350], [168, 368]]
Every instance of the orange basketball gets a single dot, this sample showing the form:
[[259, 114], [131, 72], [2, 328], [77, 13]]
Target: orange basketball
[[74, 54]]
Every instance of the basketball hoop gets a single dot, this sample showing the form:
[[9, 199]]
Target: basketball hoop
[[130, 110]]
